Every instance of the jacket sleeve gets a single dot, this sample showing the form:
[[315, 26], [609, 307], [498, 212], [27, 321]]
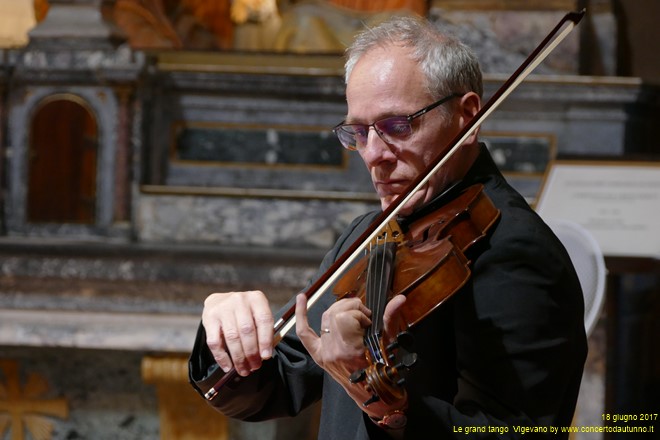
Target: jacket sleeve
[[285, 384]]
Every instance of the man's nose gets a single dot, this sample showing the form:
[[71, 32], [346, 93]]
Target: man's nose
[[376, 149]]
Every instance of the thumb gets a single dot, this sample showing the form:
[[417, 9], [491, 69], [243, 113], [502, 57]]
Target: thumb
[[307, 336], [392, 318]]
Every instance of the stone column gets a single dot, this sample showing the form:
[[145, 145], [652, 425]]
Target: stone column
[[78, 23]]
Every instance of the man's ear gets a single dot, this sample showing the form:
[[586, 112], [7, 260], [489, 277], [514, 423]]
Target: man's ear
[[469, 106]]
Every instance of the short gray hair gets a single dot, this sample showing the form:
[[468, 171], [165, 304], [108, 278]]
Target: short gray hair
[[448, 65]]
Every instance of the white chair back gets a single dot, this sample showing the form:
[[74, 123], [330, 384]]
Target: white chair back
[[589, 263]]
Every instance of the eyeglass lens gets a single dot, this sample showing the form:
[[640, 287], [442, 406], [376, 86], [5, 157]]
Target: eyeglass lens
[[392, 129], [354, 136]]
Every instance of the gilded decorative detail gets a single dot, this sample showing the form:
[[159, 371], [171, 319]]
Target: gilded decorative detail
[[16, 20], [40, 9], [26, 407], [183, 414], [418, 6], [193, 24]]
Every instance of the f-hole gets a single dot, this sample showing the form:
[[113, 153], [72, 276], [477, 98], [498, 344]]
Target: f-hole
[[62, 162]]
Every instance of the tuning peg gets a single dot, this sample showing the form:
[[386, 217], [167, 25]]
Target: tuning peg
[[404, 339], [372, 399], [392, 345], [358, 376], [407, 361]]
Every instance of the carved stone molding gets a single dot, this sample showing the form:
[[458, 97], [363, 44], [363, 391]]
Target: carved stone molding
[[510, 5]]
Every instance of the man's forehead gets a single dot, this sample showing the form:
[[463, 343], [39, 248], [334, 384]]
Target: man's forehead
[[372, 102]]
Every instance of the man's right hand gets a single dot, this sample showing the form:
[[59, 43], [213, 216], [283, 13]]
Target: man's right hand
[[239, 329]]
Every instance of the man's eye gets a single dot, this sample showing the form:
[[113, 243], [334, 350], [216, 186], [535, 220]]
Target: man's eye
[[360, 131], [397, 128]]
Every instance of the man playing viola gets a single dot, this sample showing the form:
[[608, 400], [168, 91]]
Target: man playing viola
[[506, 350]]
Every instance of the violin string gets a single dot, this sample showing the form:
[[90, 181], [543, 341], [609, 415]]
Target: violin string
[[381, 294], [374, 296], [369, 301]]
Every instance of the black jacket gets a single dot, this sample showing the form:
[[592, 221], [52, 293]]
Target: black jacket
[[506, 351]]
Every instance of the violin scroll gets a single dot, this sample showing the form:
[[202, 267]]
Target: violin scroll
[[385, 379]]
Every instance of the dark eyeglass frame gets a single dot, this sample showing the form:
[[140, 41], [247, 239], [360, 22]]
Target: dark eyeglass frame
[[346, 132]]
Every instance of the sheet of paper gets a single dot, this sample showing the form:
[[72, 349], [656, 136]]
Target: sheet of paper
[[618, 202]]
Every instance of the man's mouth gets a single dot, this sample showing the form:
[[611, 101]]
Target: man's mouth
[[391, 186]]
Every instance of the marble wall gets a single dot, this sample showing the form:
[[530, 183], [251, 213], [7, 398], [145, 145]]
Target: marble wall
[[89, 394]]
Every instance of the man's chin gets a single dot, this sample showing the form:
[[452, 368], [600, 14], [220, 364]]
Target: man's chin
[[404, 210], [387, 200]]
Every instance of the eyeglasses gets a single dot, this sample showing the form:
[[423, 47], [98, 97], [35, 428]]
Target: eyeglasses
[[390, 130]]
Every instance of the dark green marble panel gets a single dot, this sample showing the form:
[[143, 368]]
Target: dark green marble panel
[[258, 146]]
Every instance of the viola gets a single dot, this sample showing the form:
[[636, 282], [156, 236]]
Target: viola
[[323, 284], [424, 260], [428, 255]]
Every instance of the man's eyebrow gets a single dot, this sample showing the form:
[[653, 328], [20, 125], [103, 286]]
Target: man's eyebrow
[[389, 114], [349, 120]]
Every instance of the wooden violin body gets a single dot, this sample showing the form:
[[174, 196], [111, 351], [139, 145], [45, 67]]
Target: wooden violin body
[[426, 262], [430, 262]]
